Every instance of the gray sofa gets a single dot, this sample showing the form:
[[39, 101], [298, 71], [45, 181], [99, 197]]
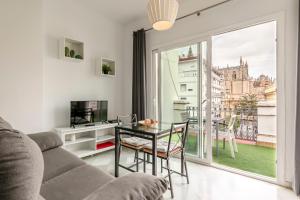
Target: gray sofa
[[36, 167]]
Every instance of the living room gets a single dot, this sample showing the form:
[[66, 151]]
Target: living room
[[173, 67]]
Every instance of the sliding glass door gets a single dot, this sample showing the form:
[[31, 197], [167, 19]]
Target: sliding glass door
[[227, 86], [183, 93]]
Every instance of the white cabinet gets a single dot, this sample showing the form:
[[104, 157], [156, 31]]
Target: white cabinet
[[86, 141]]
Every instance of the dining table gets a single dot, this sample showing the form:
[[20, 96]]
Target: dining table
[[151, 133]]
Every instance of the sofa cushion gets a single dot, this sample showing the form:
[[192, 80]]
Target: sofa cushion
[[58, 161], [132, 186], [47, 140], [4, 124], [21, 166], [75, 184]]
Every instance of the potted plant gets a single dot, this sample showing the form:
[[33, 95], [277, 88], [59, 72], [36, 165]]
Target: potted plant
[[67, 52], [106, 69], [72, 53]]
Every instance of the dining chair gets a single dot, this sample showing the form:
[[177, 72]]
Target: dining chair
[[228, 135], [171, 145], [133, 143]]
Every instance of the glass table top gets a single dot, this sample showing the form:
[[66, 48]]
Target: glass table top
[[159, 128]]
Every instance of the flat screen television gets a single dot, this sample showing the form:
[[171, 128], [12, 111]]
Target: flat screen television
[[88, 112]]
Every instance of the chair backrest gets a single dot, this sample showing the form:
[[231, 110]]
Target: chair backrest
[[127, 119], [231, 122], [181, 131]]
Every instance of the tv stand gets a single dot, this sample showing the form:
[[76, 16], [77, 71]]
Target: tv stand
[[86, 141]]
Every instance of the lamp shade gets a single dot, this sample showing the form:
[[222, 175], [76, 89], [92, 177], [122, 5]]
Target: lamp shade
[[162, 13]]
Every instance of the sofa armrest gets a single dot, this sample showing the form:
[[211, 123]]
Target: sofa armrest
[[46, 140], [133, 186]]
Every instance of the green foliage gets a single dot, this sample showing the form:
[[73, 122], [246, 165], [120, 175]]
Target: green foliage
[[248, 103], [72, 53], [106, 69], [67, 52], [78, 57]]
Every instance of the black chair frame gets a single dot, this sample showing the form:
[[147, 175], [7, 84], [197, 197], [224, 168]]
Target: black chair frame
[[137, 160], [181, 130]]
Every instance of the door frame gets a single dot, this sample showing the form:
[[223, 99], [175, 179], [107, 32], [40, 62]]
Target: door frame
[[198, 42], [279, 17]]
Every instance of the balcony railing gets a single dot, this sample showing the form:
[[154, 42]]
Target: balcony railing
[[245, 127]]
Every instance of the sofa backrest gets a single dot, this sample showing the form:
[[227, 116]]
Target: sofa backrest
[[46, 140], [4, 124], [21, 165]]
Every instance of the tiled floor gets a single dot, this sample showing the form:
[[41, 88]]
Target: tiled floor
[[206, 183]]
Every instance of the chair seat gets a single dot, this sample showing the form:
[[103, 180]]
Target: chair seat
[[134, 142], [162, 145], [163, 154]]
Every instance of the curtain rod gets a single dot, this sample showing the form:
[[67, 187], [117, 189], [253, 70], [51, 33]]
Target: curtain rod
[[198, 12]]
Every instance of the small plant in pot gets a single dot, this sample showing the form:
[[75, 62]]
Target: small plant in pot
[[72, 53], [67, 52], [106, 69]]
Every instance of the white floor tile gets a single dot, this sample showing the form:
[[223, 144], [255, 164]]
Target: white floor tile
[[206, 183]]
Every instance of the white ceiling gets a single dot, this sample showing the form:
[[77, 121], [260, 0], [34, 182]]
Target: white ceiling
[[126, 11]]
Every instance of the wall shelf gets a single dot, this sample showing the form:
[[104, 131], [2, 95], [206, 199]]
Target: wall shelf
[[101, 63], [71, 45]]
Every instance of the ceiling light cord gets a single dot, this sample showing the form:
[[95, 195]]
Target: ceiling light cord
[[197, 13]]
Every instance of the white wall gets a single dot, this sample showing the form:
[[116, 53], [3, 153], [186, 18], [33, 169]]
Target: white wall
[[21, 63], [230, 14], [66, 81], [36, 87]]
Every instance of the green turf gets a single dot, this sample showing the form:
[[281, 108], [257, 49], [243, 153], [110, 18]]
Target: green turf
[[191, 145], [251, 158]]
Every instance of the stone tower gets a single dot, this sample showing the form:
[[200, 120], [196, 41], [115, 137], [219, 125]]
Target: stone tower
[[190, 54]]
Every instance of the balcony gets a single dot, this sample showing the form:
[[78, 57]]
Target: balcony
[[254, 133]]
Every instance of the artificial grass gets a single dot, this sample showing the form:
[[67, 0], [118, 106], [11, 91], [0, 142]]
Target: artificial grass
[[191, 143], [251, 158]]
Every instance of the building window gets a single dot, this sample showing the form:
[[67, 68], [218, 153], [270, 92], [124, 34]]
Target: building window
[[183, 87], [234, 75]]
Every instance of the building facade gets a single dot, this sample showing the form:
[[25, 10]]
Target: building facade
[[188, 82], [237, 83]]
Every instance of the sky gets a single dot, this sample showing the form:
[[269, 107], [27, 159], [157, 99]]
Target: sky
[[255, 44]]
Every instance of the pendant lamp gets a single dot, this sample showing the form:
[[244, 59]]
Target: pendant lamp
[[162, 13]]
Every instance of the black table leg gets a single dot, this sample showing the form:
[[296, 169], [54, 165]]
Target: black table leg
[[154, 155], [148, 158], [217, 139], [182, 162], [117, 149]]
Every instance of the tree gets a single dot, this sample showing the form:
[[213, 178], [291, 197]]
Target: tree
[[248, 103]]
